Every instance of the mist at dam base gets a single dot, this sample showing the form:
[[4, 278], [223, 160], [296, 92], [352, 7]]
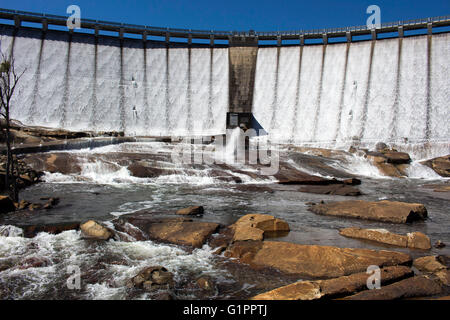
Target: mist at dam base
[[323, 110]]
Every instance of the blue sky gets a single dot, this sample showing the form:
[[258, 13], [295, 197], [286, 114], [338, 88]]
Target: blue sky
[[258, 15]]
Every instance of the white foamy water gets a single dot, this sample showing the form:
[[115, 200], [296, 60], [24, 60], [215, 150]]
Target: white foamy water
[[379, 97], [119, 262]]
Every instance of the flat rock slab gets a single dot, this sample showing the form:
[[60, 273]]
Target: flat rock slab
[[255, 226], [289, 175], [415, 240], [181, 230], [420, 286], [386, 211], [332, 288], [311, 260]]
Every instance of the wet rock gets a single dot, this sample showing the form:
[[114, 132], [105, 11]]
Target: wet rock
[[352, 182], [255, 226], [334, 189], [6, 205], [312, 260], [94, 230], [35, 206], [182, 232], [205, 283], [429, 264], [33, 230], [444, 277], [65, 163], [289, 175], [440, 165], [34, 262], [439, 244], [416, 240], [395, 157], [386, 211], [438, 187], [420, 286], [194, 210], [152, 278], [127, 228], [390, 163], [333, 288], [23, 204]]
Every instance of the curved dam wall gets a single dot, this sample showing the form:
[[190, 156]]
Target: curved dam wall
[[80, 82], [326, 95], [393, 90]]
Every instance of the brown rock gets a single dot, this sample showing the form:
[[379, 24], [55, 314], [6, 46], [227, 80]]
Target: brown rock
[[418, 240], [332, 288], [205, 283], [143, 170], [182, 232], [33, 230], [439, 244], [6, 204], [377, 235], [395, 157], [428, 264], [440, 165], [152, 278], [420, 286], [195, 210], [311, 260], [352, 182], [65, 163], [94, 230], [386, 211]]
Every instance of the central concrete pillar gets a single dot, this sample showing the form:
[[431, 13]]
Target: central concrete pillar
[[242, 68]]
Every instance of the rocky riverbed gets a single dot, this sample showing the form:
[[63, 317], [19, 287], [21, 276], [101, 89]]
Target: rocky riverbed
[[139, 226]]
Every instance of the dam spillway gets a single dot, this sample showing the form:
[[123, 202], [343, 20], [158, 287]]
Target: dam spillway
[[324, 95]]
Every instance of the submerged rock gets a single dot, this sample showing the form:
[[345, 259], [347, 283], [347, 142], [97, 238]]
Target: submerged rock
[[386, 211], [312, 260], [32, 230], [94, 230], [333, 288], [420, 286], [416, 240]]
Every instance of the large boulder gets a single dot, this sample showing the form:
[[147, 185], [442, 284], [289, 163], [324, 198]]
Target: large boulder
[[386, 211], [6, 204], [420, 286], [416, 240], [333, 288], [390, 162], [440, 165], [94, 230], [182, 232], [255, 226], [312, 260]]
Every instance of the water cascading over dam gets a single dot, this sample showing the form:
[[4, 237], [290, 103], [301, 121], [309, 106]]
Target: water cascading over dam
[[325, 95], [78, 82], [335, 95]]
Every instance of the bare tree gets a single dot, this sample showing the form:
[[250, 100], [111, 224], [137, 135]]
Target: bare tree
[[8, 82]]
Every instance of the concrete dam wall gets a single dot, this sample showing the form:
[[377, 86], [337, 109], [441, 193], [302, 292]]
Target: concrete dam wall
[[330, 95]]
